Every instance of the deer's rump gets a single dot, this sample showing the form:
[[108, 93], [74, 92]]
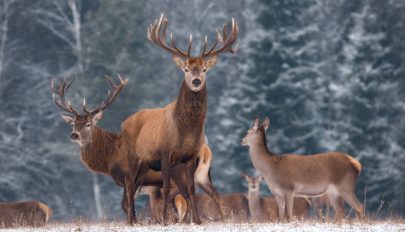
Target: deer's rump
[[30, 213]]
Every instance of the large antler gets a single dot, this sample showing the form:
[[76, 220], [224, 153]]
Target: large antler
[[61, 91], [227, 42], [111, 97], [155, 32]]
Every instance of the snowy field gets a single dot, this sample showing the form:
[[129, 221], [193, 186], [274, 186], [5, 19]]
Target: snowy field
[[387, 226]]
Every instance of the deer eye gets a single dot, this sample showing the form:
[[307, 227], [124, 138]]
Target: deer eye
[[186, 70], [88, 124], [204, 70]]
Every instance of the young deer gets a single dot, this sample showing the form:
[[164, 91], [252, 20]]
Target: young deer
[[323, 202], [100, 150], [330, 173], [234, 206], [27, 213], [165, 137], [154, 206], [265, 209]]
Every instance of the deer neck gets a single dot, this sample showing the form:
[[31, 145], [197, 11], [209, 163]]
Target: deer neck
[[190, 110], [99, 152], [260, 154]]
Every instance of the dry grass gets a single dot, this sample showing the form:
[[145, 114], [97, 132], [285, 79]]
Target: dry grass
[[388, 225]]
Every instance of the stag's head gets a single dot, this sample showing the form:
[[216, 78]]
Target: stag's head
[[253, 182], [194, 68], [256, 133], [83, 123]]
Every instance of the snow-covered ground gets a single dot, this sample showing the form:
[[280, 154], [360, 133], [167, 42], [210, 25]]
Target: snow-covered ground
[[387, 226]]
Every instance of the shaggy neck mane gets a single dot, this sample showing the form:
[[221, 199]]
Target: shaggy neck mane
[[104, 145], [191, 108]]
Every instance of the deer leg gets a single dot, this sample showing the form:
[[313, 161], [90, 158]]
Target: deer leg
[[179, 178], [289, 202], [327, 213], [334, 200], [190, 170], [352, 200], [281, 207], [129, 183], [166, 174], [124, 202], [319, 212]]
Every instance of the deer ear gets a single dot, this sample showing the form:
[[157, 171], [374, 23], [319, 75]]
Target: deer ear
[[244, 175], [266, 123], [256, 123], [211, 61], [68, 119], [178, 61], [97, 117]]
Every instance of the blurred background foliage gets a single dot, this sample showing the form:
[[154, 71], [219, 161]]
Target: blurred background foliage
[[329, 74]]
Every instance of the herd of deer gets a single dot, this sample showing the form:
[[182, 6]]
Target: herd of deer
[[162, 153]]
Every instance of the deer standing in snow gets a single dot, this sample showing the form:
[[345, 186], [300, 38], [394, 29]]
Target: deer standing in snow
[[290, 175], [100, 150], [265, 209], [165, 137]]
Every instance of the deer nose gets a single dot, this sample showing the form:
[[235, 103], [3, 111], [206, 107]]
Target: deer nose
[[196, 82], [74, 136]]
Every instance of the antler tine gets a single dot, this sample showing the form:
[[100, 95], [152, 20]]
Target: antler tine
[[189, 45], [111, 97], [62, 89], [154, 32], [205, 45], [214, 45], [175, 47], [226, 41]]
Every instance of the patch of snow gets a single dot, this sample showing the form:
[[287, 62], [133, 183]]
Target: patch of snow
[[230, 227]]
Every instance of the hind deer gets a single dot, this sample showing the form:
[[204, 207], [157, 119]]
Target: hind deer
[[290, 175], [165, 137], [265, 209], [27, 213]]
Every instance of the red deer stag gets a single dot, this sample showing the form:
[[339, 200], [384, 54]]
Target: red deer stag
[[28, 213], [165, 137], [100, 150], [330, 173], [265, 209], [104, 152]]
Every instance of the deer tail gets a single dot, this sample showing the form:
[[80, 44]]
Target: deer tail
[[46, 210], [356, 164]]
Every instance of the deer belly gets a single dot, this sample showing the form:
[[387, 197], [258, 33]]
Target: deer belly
[[314, 190]]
